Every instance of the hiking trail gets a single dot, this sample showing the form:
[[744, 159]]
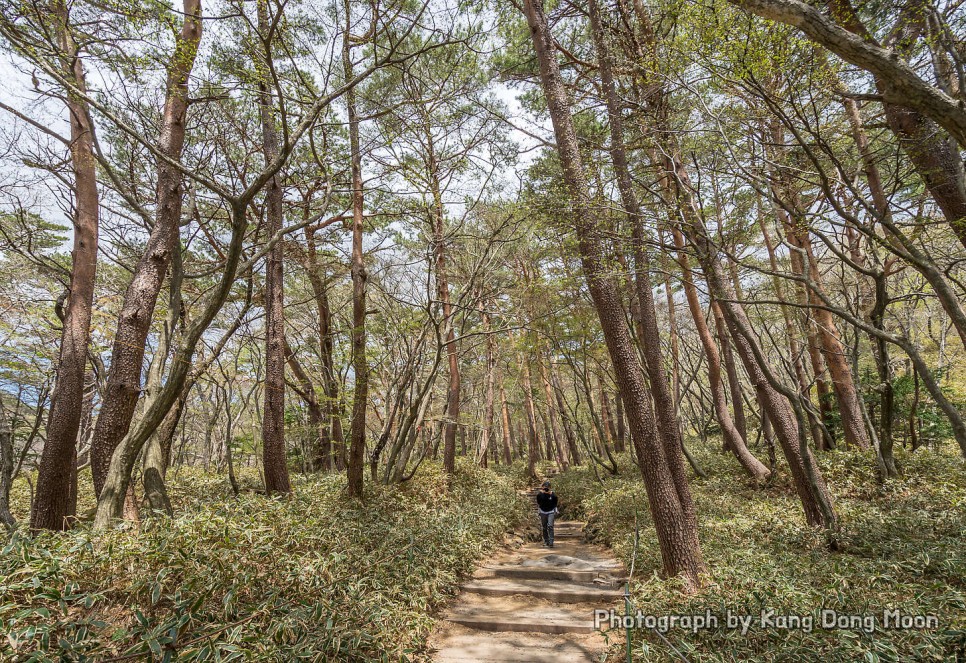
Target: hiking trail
[[528, 603]]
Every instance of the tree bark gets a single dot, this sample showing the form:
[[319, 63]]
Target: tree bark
[[137, 311], [507, 427], [809, 483], [56, 480], [490, 378], [330, 433]]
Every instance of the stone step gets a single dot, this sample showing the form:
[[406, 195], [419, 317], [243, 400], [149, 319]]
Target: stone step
[[502, 624], [519, 648], [521, 615], [550, 590], [567, 534], [602, 579]]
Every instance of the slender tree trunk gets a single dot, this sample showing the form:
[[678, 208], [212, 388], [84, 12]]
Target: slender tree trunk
[[731, 368], [809, 483], [830, 344], [817, 430], [357, 433], [449, 321], [661, 465], [127, 356], [560, 448], [574, 454], [507, 427], [56, 480], [274, 458], [734, 440], [6, 474], [490, 378], [808, 480], [533, 442], [330, 433]]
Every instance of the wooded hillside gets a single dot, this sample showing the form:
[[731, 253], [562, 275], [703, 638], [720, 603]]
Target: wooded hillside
[[325, 278]]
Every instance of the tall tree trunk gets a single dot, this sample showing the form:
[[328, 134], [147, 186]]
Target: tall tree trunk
[[816, 428], [662, 468], [56, 481], [789, 428], [134, 322], [574, 453], [273, 418], [451, 424], [562, 449], [664, 404], [808, 480], [357, 432], [828, 341]]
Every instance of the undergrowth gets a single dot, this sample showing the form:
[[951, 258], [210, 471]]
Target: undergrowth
[[307, 577], [902, 547]]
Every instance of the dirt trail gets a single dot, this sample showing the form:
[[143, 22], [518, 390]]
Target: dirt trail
[[529, 603]]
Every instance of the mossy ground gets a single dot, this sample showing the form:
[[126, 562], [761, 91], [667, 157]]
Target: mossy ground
[[902, 546]]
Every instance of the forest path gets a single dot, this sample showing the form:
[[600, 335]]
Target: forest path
[[528, 603]]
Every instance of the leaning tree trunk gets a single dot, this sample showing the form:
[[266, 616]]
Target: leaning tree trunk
[[56, 480], [134, 322], [808, 480], [809, 483], [734, 440], [668, 497], [664, 403]]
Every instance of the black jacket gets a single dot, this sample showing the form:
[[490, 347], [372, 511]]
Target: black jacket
[[547, 501]]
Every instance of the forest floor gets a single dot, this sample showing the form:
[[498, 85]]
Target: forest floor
[[314, 577], [252, 578], [902, 546]]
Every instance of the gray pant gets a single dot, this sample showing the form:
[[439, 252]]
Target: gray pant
[[546, 525]]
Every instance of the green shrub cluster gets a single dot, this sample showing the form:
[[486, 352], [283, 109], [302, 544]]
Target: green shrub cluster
[[902, 547], [307, 577]]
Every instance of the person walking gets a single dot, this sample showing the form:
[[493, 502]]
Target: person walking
[[547, 508]]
